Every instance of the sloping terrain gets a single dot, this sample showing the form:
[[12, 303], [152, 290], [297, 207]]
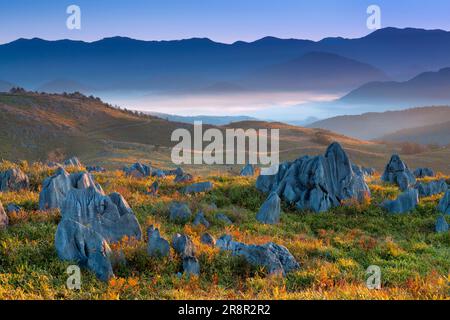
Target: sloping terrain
[[376, 124], [432, 134]]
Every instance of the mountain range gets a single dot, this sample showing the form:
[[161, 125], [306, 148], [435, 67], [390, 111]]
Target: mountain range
[[120, 63]]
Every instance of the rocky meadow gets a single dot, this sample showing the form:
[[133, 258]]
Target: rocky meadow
[[309, 232]]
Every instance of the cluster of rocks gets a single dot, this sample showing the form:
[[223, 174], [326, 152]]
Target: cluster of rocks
[[275, 258], [398, 173], [317, 183], [140, 170], [95, 169], [423, 172], [184, 246], [405, 202], [431, 188], [13, 180]]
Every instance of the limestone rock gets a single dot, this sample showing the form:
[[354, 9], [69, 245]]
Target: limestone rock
[[183, 245], [431, 188], [441, 225], [179, 212], [397, 172], [83, 245], [247, 171], [95, 169], [275, 258], [444, 203], [405, 202], [222, 217], [368, 171], [208, 239], [13, 180], [73, 162], [138, 170], [423, 172], [12, 207], [316, 183], [269, 212], [201, 219], [191, 266], [198, 187], [56, 187], [157, 246]]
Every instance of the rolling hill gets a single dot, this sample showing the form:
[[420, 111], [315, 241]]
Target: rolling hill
[[54, 126], [438, 134], [373, 125], [426, 88]]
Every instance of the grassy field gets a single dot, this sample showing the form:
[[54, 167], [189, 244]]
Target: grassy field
[[334, 249]]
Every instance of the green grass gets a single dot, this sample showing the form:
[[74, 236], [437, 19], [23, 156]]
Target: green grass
[[334, 249]]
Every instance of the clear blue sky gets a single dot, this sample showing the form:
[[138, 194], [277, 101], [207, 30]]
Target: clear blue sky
[[220, 20]]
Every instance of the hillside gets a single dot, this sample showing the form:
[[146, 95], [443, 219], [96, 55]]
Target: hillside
[[315, 71], [428, 87], [373, 125], [432, 134]]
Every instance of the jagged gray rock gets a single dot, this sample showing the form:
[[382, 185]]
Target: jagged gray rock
[[73, 162], [182, 177], [269, 212], [83, 245], [405, 202], [247, 171], [183, 245], [179, 212], [191, 266], [444, 203], [110, 215], [56, 187], [153, 190], [275, 258], [368, 171], [441, 225], [13, 180], [398, 173], [12, 207], [316, 183], [200, 219], [423, 172], [4, 221], [198, 187], [208, 239], [157, 246], [431, 188], [138, 170], [223, 217]]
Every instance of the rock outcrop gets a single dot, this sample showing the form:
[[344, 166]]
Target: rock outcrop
[[184, 246], [157, 246], [423, 172], [431, 188], [90, 221], [269, 212], [138, 170], [405, 202], [200, 219], [13, 180], [95, 169], [208, 239], [73, 162], [316, 183], [247, 171], [444, 203], [56, 187], [83, 245], [4, 221], [179, 212], [368, 171], [12, 207], [398, 173], [275, 258], [198, 187], [441, 225]]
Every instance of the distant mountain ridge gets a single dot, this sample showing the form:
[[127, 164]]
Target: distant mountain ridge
[[438, 133], [374, 125], [212, 120], [128, 64]]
